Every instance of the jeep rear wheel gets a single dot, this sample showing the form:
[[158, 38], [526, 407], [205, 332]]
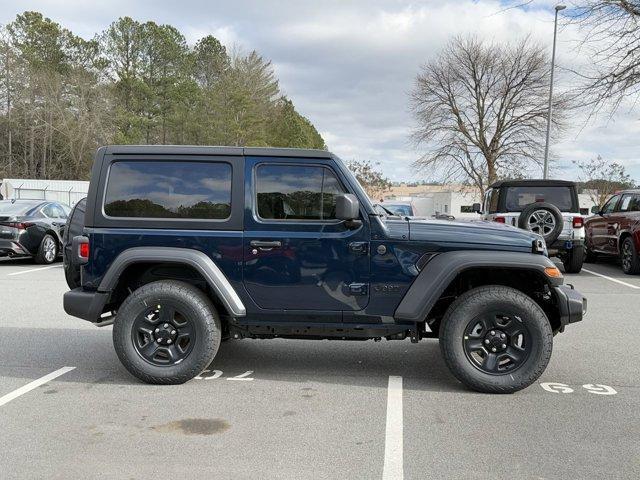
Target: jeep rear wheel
[[573, 260], [166, 332], [496, 339]]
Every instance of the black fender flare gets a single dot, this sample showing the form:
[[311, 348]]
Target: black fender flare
[[443, 268], [194, 258]]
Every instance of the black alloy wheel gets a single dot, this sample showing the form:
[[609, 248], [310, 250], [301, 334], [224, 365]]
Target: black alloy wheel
[[167, 332], [162, 335], [629, 257], [495, 339], [497, 343]]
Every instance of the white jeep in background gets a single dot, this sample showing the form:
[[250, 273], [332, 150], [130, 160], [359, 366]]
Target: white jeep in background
[[549, 208]]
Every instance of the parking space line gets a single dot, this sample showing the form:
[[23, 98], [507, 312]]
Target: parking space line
[[35, 384], [393, 455], [611, 279], [32, 270]]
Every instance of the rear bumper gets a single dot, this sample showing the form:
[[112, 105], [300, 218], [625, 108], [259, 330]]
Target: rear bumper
[[571, 304], [11, 248], [85, 304], [564, 245]]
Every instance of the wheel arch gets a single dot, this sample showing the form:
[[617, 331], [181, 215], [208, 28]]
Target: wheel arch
[[135, 264], [624, 235], [450, 274]]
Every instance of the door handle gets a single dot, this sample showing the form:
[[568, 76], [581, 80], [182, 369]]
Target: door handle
[[266, 244]]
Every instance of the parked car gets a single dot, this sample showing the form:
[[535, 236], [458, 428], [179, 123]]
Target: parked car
[[402, 209], [614, 230], [32, 228], [185, 246], [549, 208]]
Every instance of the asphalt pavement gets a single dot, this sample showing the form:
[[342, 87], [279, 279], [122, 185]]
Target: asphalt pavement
[[294, 409]]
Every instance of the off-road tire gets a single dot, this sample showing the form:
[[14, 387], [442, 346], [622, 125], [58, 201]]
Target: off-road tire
[[553, 211], [487, 299], [631, 265], [573, 260], [40, 256], [199, 309]]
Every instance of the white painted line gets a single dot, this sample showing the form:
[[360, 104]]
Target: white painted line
[[611, 279], [393, 456], [32, 270], [35, 384]]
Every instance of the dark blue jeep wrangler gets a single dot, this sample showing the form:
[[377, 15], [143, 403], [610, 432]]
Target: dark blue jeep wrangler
[[183, 247]]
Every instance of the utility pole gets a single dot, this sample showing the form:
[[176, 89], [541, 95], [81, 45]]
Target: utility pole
[[545, 172]]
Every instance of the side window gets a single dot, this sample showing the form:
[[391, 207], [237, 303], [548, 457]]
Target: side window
[[59, 211], [169, 190], [634, 206], [610, 205], [296, 192], [626, 202], [50, 211]]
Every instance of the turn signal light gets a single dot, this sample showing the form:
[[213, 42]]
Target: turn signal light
[[552, 272], [578, 222], [499, 219], [83, 250]]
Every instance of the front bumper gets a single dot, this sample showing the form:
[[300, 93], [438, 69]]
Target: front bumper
[[85, 304], [572, 305]]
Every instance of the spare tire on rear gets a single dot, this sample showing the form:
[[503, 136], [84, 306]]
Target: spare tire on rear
[[74, 227], [542, 218]]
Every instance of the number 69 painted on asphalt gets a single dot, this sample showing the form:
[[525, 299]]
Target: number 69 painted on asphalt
[[597, 389]]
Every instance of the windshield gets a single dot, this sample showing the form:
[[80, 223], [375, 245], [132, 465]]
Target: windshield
[[402, 210], [519, 197], [7, 207]]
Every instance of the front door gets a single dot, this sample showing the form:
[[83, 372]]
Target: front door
[[602, 234], [297, 256]]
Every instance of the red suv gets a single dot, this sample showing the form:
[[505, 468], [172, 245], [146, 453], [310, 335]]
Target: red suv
[[615, 230]]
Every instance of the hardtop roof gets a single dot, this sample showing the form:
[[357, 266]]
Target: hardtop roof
[[214, 150], [532, 183]]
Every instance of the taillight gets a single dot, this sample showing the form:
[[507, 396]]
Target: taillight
[[18, 225], [499, 220], [578, 222], [83, 251]]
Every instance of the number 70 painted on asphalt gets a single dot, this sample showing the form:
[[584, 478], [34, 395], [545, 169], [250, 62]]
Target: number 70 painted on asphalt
[[597, 388]]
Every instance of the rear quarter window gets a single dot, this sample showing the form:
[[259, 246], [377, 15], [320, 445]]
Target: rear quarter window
[[170, 190]]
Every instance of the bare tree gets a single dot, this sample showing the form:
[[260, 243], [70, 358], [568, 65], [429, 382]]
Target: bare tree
[[611, 30], [601, 178], [481, 110]]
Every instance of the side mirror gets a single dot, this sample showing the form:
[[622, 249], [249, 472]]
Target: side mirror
[[347, 207], [477, 208], [595, 209]]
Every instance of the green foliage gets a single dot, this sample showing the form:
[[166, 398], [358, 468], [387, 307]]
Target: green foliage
[[62, 96]]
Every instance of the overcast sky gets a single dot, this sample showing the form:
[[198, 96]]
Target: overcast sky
[[348, 66]]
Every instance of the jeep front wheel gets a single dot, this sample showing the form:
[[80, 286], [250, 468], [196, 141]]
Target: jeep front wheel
[[166, 332], [496, 339]]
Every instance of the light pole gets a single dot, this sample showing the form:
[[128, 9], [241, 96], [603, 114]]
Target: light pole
[[545, 172]]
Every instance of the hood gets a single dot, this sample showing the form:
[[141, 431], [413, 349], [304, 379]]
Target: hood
[[484, 234]]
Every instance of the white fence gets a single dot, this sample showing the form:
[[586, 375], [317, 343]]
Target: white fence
[[64, 191]]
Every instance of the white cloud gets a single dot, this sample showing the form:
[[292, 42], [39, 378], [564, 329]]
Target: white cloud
[[348, 66]]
